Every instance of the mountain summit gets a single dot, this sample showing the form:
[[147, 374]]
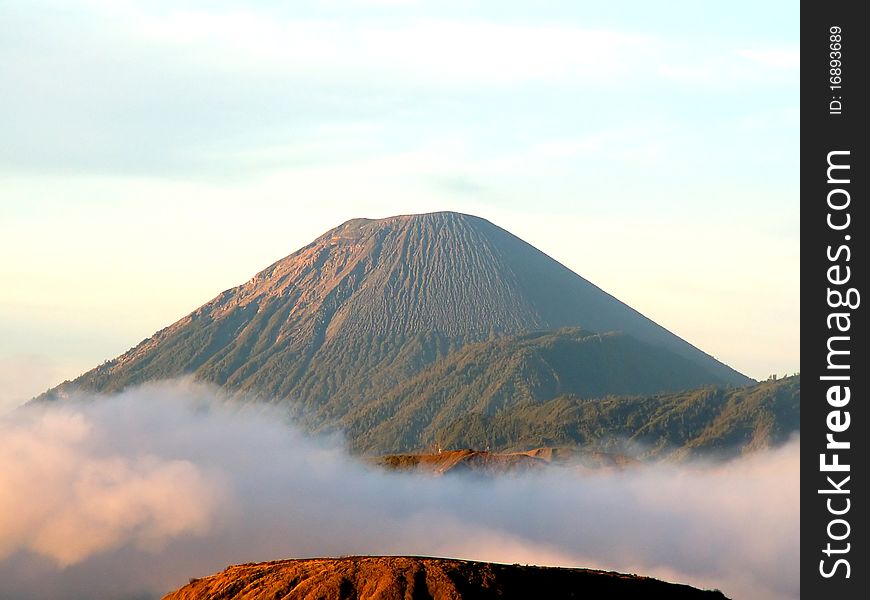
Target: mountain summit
[[355, 315]]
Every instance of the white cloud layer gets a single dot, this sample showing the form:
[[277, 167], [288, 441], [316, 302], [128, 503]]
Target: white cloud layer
[[129, 496]]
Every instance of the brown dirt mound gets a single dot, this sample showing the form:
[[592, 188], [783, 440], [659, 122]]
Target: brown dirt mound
[[495, 463], [460, 461], [413, 578]]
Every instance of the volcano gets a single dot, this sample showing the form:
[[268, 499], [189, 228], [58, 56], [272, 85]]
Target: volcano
[[346, 330]]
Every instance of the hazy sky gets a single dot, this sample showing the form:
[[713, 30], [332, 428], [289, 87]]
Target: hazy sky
[[155, 153]]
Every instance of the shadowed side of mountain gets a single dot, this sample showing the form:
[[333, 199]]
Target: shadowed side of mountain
[[709, 421], [569, 300], [488, 377], [414, 578]]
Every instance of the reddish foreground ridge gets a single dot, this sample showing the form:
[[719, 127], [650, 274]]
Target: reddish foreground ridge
[[415, 578], [497, 463]]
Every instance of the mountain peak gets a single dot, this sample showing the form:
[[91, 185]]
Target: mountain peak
[[441, 271], [433, 221]]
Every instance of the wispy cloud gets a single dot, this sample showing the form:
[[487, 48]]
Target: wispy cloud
[[67, 497]]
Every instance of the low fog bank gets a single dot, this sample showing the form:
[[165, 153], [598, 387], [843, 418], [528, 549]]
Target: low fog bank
[[129, 496]]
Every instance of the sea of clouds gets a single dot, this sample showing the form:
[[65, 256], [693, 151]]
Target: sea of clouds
[[129, 496]]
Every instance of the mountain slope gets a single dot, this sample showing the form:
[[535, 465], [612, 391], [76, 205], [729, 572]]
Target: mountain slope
[[372, 303], [711, 420], [412, 578], [488, 377]]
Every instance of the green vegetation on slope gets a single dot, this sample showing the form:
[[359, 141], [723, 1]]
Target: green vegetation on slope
[[718, 420], [489, 377]]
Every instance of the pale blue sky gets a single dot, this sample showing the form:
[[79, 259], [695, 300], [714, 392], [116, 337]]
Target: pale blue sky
[[155, 153]]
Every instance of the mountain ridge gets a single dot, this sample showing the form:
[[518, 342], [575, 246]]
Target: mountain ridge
[[421, 578], [711, 421], [495, 375]]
